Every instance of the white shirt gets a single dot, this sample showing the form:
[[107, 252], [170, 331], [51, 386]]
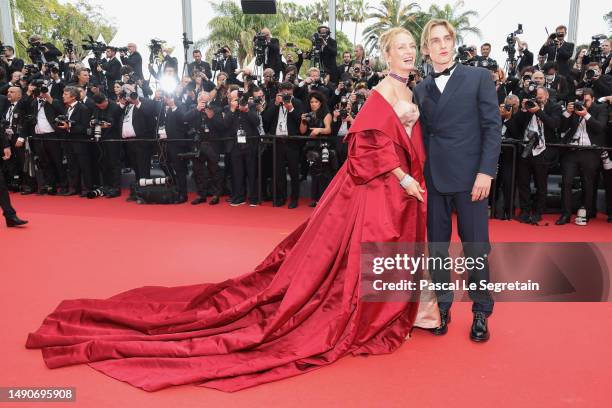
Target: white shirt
[[70, 109], [535, 125], [442, 80], [343, 129], [42, 124], [9, 114], [281, 126], [127, 130], [581, 137]]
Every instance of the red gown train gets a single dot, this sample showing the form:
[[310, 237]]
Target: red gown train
[[297, 311]]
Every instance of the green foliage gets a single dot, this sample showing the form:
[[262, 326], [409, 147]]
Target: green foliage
[[55, 22]]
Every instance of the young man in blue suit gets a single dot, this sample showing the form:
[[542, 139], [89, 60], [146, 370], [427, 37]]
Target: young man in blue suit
[[462, 134]]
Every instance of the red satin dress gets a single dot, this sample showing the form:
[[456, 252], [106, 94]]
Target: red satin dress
[[297, 311]]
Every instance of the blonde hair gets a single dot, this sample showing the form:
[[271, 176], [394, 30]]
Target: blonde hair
[[426, 35], [386, 39]]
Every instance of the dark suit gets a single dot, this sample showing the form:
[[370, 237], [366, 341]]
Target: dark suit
[[174, 123], [111, 151], [287, 151], [561, 55], [112, 69], [203, 66], [80, 159], [462, 134], [5, 201], [537, 166], [135, 61], [15, 64], [526, 60], [16, 115], [229, 66], [144, 123], [273, 58], [584, 162]]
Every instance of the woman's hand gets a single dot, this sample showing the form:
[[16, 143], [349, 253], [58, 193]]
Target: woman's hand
[[415, 190]]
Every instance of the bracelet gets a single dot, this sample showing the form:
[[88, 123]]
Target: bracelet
[[406, 180]]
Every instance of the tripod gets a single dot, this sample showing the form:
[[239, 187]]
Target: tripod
[[186, 44]]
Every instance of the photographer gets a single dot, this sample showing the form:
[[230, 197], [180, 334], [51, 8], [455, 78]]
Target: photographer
[[73, 125], [525, 57], [585, 125], [343, 90], [106, 125], [10, 63], [14, 80], [271, 51], [345, 67], [358, 98], [508, 111], [316, 123], [40, 52], [110, 68], [283, 118], [483, 60], [227, 64], [218, 95], [55, 83], [327, 49], [593, 78], [207, 120], [199, 65], [167, 62], [312, 83], [538, 121], [138, 122], [44, 109], [606, 56], [556, 83], [172, 127], [341, 123], [557, 50], [133, 59], [241, 121], [14, 129], [269, 86]]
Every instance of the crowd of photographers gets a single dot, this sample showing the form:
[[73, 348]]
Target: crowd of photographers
[[217, 118]]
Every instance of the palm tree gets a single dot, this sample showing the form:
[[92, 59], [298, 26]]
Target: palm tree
[[233, 28], [358, 14], [343, 12], [461, 22], [608, 18], [388, 14]]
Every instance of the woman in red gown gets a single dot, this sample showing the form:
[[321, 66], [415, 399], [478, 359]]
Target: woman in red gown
[[300, 309]]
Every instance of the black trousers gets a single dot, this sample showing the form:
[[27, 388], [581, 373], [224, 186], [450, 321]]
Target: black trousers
[[139, 156], [288, 157], [244, 172], [49, 151], [15, 166], [5, 201], [178, 167], [473, 225], [583, 162], [206, 171], [111, 164], [78, 154], [503, 183], [607, 177], [536, 167]]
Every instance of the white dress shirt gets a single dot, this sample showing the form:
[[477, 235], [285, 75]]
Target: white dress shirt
[[442, 80]]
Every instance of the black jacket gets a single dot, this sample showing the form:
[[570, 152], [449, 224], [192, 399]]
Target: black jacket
[[525, 61], [203, 66], [144, 119], [51, 55], [112, 114], [550, 117], [52, 110], [135, 61], [274, 59], [249, 121], [596, 125], [270, 118], [81, 116], [562, 55]]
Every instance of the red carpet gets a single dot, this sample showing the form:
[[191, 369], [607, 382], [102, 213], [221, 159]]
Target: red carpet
[[540, 354]]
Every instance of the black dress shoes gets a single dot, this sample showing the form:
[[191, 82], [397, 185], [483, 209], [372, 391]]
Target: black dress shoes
[[279, 203], [479, 331], [524, 217], [198, 200], [445, 319], [14, 221], [292, 204], [214, 200], [181, 199], [564, 219]]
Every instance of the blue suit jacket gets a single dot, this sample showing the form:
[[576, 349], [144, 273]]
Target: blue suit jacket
[[461, 129]]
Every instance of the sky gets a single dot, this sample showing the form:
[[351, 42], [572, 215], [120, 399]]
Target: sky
[[163, 19]]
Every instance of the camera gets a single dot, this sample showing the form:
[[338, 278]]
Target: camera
[[507, 107], [125, 94], [287, 98], [589, 74], [121, 49], [595, 53], [155, 47], [41, 87], [52, 68], [68, 46], [360, 98], [531, 103], [98, 192], [260, 42], [257, 100], [464, 54], [310, 118], [532, 138], [578, 106], [62, 119]]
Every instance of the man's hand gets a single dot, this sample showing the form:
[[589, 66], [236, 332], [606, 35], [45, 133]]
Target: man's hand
[[534, 109], [19, 143], [7, 153], [482, 187], [582, 113]]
